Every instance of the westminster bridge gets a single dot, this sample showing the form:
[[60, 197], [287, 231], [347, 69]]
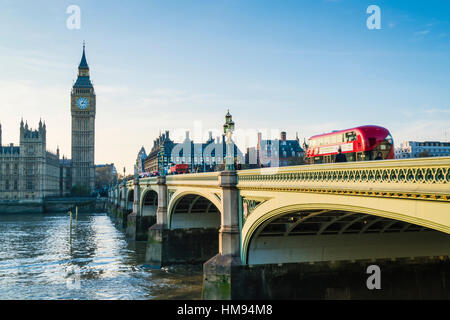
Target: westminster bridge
[[306, 231]]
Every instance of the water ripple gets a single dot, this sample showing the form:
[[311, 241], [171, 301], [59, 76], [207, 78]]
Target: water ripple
[[41, 259]]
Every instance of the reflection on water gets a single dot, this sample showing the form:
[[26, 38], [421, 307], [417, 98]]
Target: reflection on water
[[39, 259]]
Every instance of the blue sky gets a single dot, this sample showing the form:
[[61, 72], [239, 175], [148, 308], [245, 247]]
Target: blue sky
[[299, 66]]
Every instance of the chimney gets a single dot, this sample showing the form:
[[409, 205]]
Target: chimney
[[283, 136]]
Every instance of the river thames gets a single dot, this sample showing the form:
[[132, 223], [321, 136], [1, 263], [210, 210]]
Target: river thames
[[41, 259]]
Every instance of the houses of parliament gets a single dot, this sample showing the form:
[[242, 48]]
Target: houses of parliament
[[31, 172]]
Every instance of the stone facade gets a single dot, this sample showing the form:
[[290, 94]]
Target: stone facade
[[29, 171], [418, 149], [142, 155], [278, 153], [159, 156], [83, 109]]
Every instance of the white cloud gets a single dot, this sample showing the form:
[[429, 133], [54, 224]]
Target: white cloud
[[433, 111], [422, 33]]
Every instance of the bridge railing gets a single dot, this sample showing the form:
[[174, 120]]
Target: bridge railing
[[409, 178]]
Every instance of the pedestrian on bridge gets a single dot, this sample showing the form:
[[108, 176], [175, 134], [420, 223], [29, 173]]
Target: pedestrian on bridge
[[340, 157]]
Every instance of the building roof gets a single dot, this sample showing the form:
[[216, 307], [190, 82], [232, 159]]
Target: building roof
[[10, 150], [83, 82], [286, 145], [83, 62], [290, 145]]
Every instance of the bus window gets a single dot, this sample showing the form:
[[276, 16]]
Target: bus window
[[389, 139], [334, 139], [350, 136]]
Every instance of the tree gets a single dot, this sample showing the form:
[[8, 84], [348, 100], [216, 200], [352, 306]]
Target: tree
[[104, 177]]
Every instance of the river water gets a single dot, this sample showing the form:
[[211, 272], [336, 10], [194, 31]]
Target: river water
[[41, 259]]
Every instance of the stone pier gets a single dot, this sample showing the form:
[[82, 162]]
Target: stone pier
[[189, 245], [220, 273]]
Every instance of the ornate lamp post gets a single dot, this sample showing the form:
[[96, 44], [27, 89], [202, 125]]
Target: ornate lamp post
[[228, 129]]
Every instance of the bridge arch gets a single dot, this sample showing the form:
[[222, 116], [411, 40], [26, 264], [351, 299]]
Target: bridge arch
[[120, 195], [334, 218], [129, 199], [148, 202], [194, 209]]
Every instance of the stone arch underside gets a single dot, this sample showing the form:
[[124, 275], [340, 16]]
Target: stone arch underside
[[193, 234], [192, 211], [149, 202], [310, 232], [130, 199]]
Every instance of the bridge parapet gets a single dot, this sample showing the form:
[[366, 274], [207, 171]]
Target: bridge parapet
[[130, 184], [148, 181], [425, 179], [205, 180]]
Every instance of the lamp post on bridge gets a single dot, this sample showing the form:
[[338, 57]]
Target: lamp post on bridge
[[228, 129], [219, 272]]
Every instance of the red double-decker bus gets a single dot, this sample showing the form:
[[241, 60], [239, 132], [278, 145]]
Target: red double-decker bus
[[357, 144], [179, 169]]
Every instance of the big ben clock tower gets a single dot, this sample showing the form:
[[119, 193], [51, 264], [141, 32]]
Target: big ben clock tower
[[83, 127]]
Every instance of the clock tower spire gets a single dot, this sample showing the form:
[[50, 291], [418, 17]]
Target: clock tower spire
[[83, 68], [83, 110]]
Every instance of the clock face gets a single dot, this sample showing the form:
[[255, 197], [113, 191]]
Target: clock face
[[82, 103]]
